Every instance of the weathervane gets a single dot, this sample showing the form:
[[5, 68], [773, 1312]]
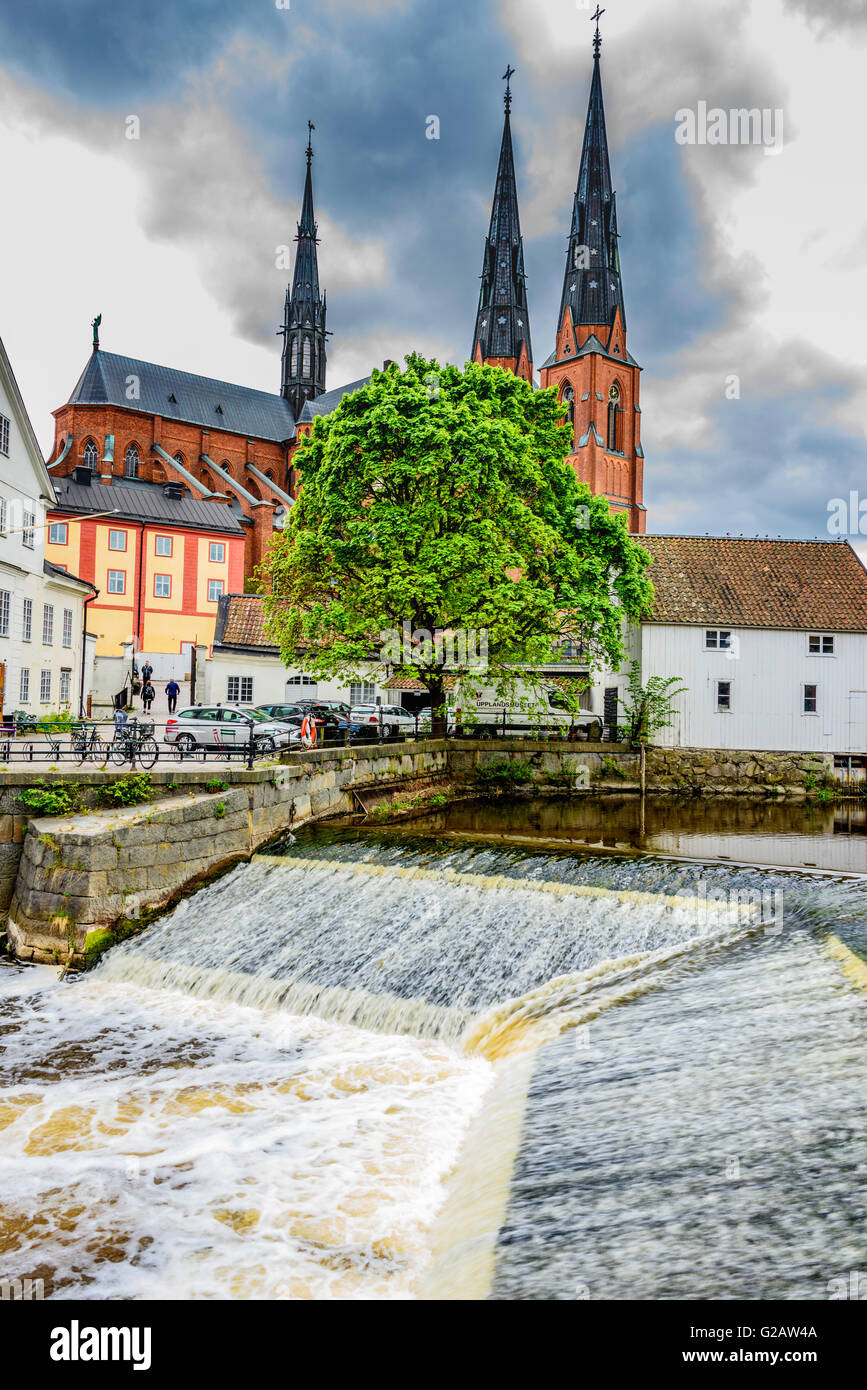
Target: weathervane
[[597, 38], [310, 129], [507, 78]]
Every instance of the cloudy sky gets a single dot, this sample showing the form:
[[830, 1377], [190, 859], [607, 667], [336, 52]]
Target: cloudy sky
[[737, 263]]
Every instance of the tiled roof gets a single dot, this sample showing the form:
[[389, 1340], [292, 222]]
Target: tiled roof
[[144, 503], [801, 585], [241, 623], [198, 400]]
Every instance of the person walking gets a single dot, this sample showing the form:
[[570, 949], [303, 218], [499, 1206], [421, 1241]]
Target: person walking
[[147, 695], [146, 672], [173, 690]]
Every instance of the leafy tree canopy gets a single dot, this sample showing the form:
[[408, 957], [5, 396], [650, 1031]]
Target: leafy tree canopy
[[437, 500]]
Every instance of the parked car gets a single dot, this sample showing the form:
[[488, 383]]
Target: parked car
[[364, 721], [334, 706], [292, 714], [331, 721], [225, 726]]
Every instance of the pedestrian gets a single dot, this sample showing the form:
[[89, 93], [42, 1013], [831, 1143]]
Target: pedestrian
[[147, 696], [173, 690], [146, 672]]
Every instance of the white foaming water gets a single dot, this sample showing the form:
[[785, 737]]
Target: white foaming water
[[153, 1145], [266, 1094]]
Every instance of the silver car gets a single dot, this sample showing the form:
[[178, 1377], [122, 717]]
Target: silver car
[[225, 726]]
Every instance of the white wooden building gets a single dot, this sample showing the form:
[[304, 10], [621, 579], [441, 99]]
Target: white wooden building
[[42, 644], [769, 636]]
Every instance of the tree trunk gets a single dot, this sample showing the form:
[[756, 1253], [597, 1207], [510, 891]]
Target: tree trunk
[[439, 717]]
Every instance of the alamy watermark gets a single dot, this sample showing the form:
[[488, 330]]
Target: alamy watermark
[[463, 648], [847, 516], [738, 126], [735, 906]]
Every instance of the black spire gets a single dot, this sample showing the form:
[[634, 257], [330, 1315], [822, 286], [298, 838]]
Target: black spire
[[502, 322], [592, 287], [304, 315]]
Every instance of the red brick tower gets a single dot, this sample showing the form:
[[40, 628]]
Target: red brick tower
[[502, 336], [596, 376]]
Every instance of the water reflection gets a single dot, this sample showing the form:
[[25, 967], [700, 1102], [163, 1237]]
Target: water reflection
[[786, 835]]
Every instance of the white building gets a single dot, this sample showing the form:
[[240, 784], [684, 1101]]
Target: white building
[[245, 666], [769, 636], [42, 642]]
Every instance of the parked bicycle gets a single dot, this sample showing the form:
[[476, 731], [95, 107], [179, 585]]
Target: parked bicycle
[[87, 745], [134, 743]]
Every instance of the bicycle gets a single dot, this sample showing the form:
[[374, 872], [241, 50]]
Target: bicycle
[[88, 745], [134, 743]]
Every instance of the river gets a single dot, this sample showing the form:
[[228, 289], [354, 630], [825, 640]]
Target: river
[[490, 1056]]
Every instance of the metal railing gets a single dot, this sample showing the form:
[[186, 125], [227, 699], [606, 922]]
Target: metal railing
[[104, 743]]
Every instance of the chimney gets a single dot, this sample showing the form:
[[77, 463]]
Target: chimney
[[386, 364], [82, 475]]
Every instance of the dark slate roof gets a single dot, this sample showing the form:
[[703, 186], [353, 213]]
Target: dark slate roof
[[816, 586], [257, 414], [58, 572], [329, 400], [241, 623], [145, 504]]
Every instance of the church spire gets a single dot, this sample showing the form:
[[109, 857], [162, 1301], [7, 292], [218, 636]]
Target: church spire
[[592, 287], [303, 376], [502, 336]]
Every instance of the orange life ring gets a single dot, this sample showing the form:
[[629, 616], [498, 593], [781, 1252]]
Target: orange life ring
[[308, 730]]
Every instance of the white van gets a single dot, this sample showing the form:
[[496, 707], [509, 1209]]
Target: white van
[[480, 714]]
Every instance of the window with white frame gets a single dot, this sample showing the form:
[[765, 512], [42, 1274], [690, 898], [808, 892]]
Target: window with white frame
[[811, 699], [163, 545], [5, 611], [27, 620], [28, 533], [45, 686], [162, 586], [300, 680], [723, 696], [217, 552], [47, 624], [820, 644], [362, 693], [717, 639], [116, 582], [239, 690], [65, 685], [215, 590], [117, 540], [67, 627], [24, 685], [58, 533], [2, 515], [4, 435]]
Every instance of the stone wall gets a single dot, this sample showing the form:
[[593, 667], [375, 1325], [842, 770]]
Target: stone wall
[[78, 876], [69, 878]]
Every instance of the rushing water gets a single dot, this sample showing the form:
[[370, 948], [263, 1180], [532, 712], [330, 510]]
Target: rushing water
[[395, 1066]]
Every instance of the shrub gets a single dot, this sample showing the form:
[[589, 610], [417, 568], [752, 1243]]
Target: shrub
[[52, 799], [505, 772], [127, 791]]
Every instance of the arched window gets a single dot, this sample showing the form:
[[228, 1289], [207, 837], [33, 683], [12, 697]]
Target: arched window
[[305, 370], [568, 398], [614, 419], [131, 462], [91, 456], [293, 366], [179, 458]]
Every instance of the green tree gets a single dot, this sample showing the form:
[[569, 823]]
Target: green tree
[[437, 500], [650, 707]]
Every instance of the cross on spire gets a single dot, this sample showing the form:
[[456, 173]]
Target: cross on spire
[[507, 78], [597, 38], [310, 129]]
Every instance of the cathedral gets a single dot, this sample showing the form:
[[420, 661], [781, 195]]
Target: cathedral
[[135, 424]]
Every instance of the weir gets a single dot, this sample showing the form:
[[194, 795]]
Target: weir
[[395, 1066]]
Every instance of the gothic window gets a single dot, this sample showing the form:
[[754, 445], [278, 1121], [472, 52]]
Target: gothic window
[[91, 456], [131, 462], [305, 369], [568, 399], [179, 458], [293, 369], [614, 413]]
